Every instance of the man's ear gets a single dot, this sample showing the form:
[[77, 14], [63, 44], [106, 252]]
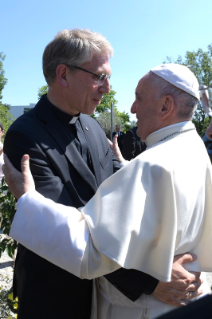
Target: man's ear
[[61, 74], [167, 107]]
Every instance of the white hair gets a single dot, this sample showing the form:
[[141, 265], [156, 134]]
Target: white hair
[[186, 103]]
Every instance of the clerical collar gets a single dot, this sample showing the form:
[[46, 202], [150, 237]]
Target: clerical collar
[[168, 132], [74, 119], [61, 115]]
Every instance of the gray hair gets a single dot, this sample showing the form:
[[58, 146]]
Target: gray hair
[[185, 102], [73, 47]]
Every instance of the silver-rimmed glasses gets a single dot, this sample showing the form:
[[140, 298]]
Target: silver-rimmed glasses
[[101, 77]]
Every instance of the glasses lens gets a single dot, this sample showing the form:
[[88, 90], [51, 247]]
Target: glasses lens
[[102, 78]]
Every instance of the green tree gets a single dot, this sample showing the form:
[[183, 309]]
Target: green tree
[[106, 102], [125, 120], [5, 116], [200, 63], [104, 120], [42, 90], [3, 80], [133, 124], [119, 118]]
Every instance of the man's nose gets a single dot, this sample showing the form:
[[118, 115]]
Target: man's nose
[[133, 108], [209, 131], [105, 87]]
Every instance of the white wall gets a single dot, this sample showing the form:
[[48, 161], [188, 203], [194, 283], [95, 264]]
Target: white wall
[[18, 110]]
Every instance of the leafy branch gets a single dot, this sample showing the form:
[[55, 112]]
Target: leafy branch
[[7, 213]]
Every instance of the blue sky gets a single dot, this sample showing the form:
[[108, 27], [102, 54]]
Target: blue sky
[[142, 34]]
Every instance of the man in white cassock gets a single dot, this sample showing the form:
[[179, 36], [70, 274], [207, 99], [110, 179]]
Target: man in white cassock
[[160, 203]]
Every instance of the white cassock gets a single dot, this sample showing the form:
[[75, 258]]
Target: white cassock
[[157, 206]]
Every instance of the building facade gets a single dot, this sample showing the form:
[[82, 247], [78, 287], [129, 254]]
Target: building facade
[[18, 110]]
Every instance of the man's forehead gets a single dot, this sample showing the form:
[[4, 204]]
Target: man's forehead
[[142, 82], [99, 62]]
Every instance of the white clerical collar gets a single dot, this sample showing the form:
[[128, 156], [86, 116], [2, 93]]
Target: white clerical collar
[[168, 132], [74, 119]]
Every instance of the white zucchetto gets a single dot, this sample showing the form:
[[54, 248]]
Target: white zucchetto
[[179, 76]]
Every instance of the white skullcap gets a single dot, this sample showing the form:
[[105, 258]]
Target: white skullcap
[[180, 76]]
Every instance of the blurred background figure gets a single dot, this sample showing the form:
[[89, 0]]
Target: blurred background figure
[[132, 145], [208, 143], [209, 131], [120, 138], [205, 101], [207, 139], [1, 151], [204, 98]]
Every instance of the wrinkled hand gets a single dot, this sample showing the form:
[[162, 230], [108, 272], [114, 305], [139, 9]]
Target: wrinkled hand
[[183, 286], [19, 183], [115, 148]]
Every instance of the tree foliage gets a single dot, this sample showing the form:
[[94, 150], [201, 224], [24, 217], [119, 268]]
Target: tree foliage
[[103, 114], [3, 80], [104, 120], [42, 90], [8, 210], [106, 102], [5, 116], [200, 63]]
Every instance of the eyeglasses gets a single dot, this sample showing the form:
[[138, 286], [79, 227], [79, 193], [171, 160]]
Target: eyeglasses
[[101, 77]]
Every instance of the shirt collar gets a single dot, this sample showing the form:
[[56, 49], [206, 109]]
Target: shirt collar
[[61, 115], [157, 136]]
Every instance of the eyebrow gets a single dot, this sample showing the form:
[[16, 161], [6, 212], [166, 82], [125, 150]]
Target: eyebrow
[[104, 72]]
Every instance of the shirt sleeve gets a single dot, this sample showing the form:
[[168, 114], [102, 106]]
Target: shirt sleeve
[[59, 234]]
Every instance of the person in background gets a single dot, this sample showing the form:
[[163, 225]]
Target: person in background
[[120, 138], [208, 142], [209, 131], [132, 146], [205, 101]]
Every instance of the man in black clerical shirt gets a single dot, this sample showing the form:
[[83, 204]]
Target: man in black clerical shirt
[[120, 137]]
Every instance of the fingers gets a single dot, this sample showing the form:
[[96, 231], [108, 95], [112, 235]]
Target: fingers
[[115, 139], [7, 169], [7, 163], [194, 286], [110, 143], [25, 164], [195, 277], [175, 297], [186, 258], [189, 296]]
